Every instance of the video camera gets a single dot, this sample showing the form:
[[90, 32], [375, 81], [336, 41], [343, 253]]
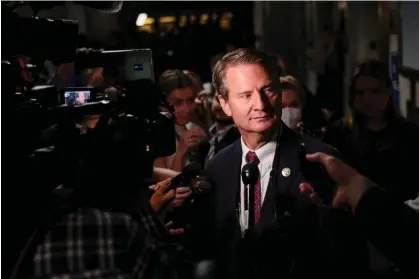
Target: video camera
[[35, 108], [131, 117]]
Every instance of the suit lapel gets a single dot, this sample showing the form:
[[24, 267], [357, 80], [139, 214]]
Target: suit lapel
[[233, 170], [276, 199], [230, 177]]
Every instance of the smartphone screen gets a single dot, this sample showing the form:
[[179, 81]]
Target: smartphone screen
[[76, 97]]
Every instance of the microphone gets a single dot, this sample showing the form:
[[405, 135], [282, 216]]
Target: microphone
[[189, 172], [250, 176]]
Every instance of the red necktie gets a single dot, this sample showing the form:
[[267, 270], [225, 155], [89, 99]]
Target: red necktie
[[252, 158]]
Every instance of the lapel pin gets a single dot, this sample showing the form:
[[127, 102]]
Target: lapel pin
[[286, 172]]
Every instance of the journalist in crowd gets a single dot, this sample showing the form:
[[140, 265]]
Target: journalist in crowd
[[375, 139], [180, 92]]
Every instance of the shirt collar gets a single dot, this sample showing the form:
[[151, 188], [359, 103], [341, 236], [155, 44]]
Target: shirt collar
[[265, 152]]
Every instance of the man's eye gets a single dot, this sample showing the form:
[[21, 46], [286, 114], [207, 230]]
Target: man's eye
[[246, 96], [268, 91]]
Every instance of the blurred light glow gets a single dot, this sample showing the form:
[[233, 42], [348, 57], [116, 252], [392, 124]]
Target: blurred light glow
[[141, 19], [167, 19], [204, 18]]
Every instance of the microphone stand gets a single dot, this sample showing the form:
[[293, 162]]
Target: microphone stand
[[250, 176], [251, 206]]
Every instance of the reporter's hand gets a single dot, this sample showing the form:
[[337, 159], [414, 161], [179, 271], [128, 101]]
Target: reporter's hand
[[182, 194], [190, 139], [351, 184], [161, 197]]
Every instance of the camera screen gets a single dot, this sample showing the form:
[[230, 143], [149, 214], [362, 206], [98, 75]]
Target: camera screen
[[138, 67], [76, 97]]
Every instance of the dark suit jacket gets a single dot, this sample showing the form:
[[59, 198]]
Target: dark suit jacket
[[232, 135], [307, 241]]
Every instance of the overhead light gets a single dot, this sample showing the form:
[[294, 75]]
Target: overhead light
[[141, 19]]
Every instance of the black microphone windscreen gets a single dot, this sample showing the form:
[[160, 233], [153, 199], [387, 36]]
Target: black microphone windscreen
[[250, 174], [199, 154], [204, 146], [189, 172], [192, 167]]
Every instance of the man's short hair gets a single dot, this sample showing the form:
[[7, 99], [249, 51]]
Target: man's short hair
[[242, 56], [174, 79]]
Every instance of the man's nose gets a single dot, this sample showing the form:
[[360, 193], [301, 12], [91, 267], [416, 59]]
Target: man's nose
[[259, 101]]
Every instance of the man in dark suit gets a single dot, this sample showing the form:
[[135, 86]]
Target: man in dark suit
[[292, 238]]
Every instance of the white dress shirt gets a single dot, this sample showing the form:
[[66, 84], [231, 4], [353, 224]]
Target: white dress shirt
[[266, 157]]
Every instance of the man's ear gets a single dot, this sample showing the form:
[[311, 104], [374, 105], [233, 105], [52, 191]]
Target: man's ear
[[224, 105]]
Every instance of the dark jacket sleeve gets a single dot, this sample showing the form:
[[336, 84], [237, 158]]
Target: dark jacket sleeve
[[392, 227], [346, 246]]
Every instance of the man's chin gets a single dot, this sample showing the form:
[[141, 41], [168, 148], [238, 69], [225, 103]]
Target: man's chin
[[263, 125]]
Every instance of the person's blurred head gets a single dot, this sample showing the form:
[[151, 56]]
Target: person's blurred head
[[181, 92], [371, 91], [219, 114], [247, 82], [196, 79], [291, 101]]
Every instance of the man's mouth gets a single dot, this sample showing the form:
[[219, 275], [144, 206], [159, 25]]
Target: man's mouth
[[261, 117]]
